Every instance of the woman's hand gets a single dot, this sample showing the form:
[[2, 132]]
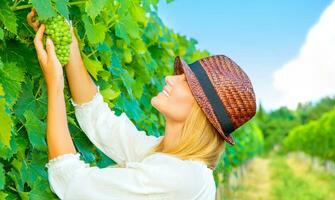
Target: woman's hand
[[51, 67], [33, 24], [74, 49]]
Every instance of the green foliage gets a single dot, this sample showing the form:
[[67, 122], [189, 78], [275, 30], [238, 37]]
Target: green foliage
[[316, 138], [276, 124], [125, 47], [127, 50], [249, 142], [287, 184], [312, 111]]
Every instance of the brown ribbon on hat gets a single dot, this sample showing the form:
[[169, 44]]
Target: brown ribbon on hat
[[213, 98]]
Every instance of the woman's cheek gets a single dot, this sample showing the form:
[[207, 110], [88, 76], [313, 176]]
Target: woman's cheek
[[178, 107]]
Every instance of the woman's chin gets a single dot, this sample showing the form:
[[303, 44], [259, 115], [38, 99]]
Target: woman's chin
[[155, 102]]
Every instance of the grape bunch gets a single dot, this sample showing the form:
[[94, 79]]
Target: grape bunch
[[58, 30]]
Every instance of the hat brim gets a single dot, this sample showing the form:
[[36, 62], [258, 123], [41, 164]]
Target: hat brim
[[181, 67]]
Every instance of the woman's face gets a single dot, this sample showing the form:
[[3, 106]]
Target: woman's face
[[175, 100]]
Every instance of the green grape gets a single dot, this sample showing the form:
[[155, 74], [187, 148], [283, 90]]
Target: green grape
[[58, 30]]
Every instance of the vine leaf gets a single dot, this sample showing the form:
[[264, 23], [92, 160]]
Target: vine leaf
[[2, 93], [62, 8], [7, 17], [92, 66], [2, 177], [44, 9], [110, 93], [5, 124], [94, 7], [19, 174], [139, 14], [36, 130], [11, 77], [1, 34], [126, 27], [95, 32], [118, 71]]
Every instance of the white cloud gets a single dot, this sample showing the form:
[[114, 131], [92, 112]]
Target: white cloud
[[311, 75]]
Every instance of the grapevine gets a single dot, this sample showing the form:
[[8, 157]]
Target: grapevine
[[59, 31], [127, 50]]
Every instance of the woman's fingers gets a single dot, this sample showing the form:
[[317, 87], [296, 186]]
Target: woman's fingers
[[41, 53], [51, 50], [30, 16], [36, 25]]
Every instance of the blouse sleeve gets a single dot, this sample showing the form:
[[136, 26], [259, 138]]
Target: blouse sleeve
[[116, 136], [72, 178], [61, 170]]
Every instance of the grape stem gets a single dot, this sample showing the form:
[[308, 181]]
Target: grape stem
[[92, 53], [22, 7], [10, 187]]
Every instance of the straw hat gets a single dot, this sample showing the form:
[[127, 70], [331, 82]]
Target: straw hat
[[223, 91]]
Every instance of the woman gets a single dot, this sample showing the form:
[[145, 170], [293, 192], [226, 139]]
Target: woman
[[203, 103]]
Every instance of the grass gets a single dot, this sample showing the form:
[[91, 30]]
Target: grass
[[278, 177], [287, 185]]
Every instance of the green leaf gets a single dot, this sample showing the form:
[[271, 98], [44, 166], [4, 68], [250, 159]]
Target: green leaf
[[124, 6], [119, 71], [110, 93], [19, 173], [84, 146], [3, 195], [139, 14], [6, 153], [95, 32], [27, 101], [131, 107], [1, 34], [127, 28], [7, 17], [104, 161], [44, 9], [61, 6], [94, 7], [2, 93], [5, 124], [36, 167], [92, 66], [139, 46], [2, 177], [40, 190], [11, 77], [36, 130]]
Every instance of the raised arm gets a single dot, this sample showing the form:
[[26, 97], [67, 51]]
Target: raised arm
[[116, 136], [81, 84]]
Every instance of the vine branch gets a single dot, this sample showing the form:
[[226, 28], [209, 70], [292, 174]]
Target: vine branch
[[22, 7]]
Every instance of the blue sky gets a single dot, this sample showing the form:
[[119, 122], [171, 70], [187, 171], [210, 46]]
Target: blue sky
[[260, 35]]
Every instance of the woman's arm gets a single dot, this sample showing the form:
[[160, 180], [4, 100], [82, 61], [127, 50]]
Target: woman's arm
[[58, 136], [81, 84]]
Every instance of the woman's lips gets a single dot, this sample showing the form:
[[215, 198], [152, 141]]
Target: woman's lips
[[165, 93], [165, 88]]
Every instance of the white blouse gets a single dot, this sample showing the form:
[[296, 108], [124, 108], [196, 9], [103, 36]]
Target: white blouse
[[159, 176]]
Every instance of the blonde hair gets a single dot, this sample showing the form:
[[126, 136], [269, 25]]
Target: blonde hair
[[198, 140]]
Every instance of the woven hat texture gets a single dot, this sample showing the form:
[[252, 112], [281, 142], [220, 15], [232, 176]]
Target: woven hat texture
[[234, 94]]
